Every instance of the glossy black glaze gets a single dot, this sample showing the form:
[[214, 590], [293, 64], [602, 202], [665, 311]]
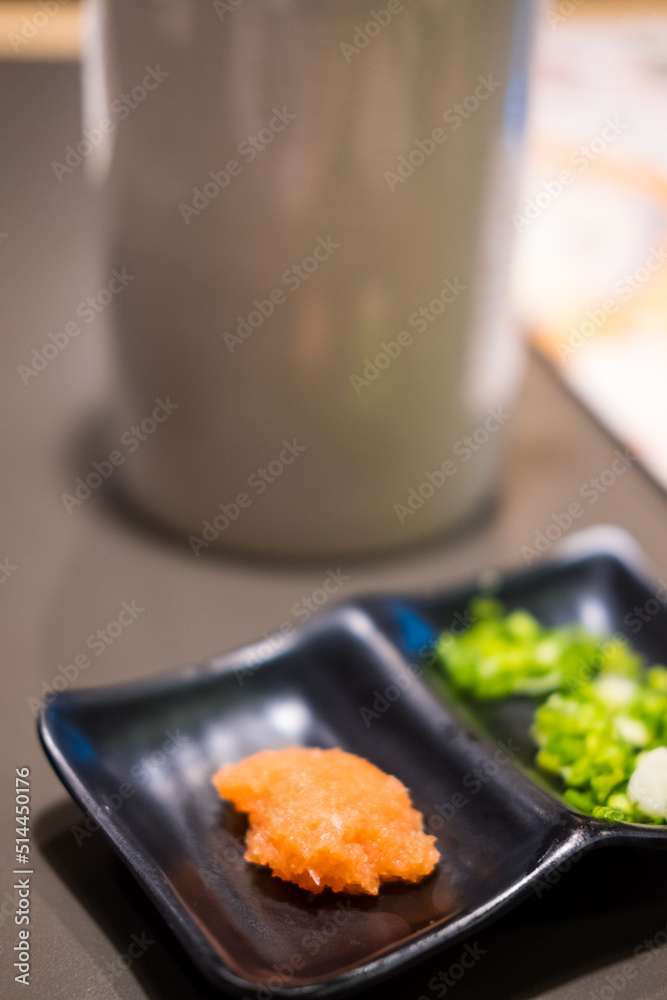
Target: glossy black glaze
[[139, 759]]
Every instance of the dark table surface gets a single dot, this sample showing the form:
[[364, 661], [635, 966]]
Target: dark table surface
[[68, 574]]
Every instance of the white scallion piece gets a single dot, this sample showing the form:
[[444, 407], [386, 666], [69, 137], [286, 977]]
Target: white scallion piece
[[648, 784]]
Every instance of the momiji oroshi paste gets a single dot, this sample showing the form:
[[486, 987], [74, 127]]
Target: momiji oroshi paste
[[328, 819]]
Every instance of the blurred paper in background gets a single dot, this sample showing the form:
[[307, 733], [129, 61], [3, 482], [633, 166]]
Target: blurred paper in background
[[592, 220]]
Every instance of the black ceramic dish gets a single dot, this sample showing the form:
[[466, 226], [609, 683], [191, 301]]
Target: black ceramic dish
[[139, 759]]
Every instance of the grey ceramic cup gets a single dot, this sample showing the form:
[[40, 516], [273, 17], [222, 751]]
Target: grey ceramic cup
[[311, 202]]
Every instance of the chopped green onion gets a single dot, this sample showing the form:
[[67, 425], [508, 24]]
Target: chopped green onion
[[601, 711]]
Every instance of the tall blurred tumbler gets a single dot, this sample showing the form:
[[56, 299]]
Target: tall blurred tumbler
[[311, 203]]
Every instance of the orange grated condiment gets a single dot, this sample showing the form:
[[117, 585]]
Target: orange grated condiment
[[328, 819]]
